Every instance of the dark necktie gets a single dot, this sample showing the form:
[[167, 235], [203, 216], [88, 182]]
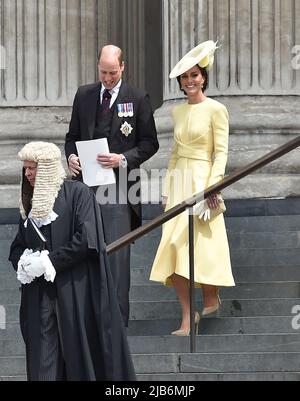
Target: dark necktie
[[106, 101]]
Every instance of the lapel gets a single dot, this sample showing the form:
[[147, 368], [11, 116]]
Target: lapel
[[90, 107], [117, 121]]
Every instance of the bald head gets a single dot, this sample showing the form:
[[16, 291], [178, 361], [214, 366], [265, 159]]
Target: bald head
[[110, 66], [111, 52]]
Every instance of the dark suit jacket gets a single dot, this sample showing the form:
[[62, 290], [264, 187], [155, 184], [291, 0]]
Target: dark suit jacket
[[137, 147]]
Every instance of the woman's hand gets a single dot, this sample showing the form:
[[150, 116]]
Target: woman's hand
[[164, 201], [212, 201]]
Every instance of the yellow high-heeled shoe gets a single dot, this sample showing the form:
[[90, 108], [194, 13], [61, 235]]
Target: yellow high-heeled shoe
[[181, 332], [211, 309]]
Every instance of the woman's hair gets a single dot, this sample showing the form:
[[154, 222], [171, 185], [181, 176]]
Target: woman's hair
[[204, 74]]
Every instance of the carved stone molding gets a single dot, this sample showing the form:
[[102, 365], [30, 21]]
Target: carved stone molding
[[257, 38], [51, 48]]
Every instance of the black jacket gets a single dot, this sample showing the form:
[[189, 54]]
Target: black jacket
[[137, 147]]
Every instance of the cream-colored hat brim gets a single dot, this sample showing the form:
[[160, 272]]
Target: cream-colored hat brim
[[196, 56]]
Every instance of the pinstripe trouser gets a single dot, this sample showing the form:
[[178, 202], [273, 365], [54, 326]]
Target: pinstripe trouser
[[51, 357]]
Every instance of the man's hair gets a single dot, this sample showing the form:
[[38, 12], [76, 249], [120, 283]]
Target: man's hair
[[112, 47]]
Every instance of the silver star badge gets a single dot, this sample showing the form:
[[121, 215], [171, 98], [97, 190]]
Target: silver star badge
[[126, 129]]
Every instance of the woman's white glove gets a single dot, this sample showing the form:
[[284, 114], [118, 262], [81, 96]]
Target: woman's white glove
[[202, 210], [207, 213]]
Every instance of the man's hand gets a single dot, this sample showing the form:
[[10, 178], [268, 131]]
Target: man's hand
[[74, 165], [33, 265], [109, 160]]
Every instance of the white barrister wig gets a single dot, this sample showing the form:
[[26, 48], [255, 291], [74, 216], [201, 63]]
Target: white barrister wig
[[49, 178]]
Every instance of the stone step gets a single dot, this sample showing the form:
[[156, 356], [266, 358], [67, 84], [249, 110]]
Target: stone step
[[19, 378], [171, 309], [139, 276], [265, 240], [216, 343], [244, 240], [10, 296], [144, 256], [265, 257], [11, 331], [230, 308], [241, 274], [217, 362], [195, 363], [256, 224], [8, 280], [232, 377], [12, 347], [8, 231], [211, 326], [220, 325], [13, 366], [204, 343], [241, 291], [4, 251], [149, 292], [243, 207]]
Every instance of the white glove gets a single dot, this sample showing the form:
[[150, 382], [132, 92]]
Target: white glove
[[205, 213], [202, 210], [22, 276], [33, 265], [50, 271]]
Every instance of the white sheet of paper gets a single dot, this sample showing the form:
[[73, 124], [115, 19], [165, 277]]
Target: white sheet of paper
[[93, 174]]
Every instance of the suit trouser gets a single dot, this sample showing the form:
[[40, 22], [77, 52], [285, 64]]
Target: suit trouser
[[51, 357], [116, 223]]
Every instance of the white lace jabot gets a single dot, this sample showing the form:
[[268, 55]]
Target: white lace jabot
[[45, 220]]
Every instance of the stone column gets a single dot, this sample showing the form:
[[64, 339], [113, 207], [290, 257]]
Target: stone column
[[50, 48], [256, 75]]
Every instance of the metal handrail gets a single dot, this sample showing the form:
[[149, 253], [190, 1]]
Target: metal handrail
[[188, 204]]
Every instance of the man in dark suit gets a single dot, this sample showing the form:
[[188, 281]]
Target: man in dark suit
[[123, 114]]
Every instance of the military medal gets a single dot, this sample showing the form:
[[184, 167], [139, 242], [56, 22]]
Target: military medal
[[120, 110], [125, 110], [130, 109]]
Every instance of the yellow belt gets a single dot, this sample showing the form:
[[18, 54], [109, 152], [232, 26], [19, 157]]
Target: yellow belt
[[190, 153]]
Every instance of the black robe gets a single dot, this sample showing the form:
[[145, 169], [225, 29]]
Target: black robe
[[94, 339]]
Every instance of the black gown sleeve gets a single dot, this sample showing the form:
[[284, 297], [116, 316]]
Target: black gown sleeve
[[18, 246]]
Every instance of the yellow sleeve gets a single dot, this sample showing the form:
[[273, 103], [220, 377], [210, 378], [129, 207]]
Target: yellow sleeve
[[220, 127], [171, 165]]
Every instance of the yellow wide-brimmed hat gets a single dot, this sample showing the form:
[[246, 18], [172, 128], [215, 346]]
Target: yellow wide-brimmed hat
[[203, 55]]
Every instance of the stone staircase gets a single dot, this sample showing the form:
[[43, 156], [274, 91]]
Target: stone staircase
[[255, 337]]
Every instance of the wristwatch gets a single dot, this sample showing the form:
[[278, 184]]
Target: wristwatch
[[123, 161]]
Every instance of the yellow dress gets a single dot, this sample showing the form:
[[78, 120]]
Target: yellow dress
[[197, 161]]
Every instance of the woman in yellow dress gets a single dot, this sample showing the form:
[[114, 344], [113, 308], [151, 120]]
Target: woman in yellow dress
[[197, 161]]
